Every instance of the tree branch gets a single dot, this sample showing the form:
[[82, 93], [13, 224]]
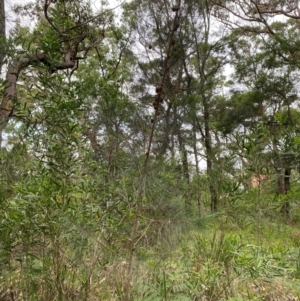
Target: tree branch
[[14, 70]]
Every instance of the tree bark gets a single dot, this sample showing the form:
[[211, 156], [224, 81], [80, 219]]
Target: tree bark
[[209, 157], [2, 33], [283, 186], [195, 148], [185, 168]]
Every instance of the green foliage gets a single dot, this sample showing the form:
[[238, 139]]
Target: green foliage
[[240, 109], [88, 214]]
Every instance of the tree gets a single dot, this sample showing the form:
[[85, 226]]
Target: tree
[[66, 32], [259, 18], [207, 64], [191, 84], [159, 37], [264, 86]]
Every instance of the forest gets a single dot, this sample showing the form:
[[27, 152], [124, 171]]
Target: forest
[[150, 150]]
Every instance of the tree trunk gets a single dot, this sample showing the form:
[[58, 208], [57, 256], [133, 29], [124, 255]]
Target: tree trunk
[[185, 168], [283, 186], [2, 33], [209, 159], [195, 148]]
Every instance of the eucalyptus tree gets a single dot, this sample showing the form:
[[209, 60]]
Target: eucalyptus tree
[[264, 85], [255, 14], [203, 65], [261, 83], [275, 23]]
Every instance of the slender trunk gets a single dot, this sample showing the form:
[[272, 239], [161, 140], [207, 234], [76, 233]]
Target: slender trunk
[[283, 183], [2, 33], [185, 168], [184, 158], [209, 157], [198, 193], [283, 186], [195, 149], [2, 54], [167, 128]]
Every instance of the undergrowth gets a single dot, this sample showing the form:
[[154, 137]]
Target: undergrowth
[[232, 255]]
